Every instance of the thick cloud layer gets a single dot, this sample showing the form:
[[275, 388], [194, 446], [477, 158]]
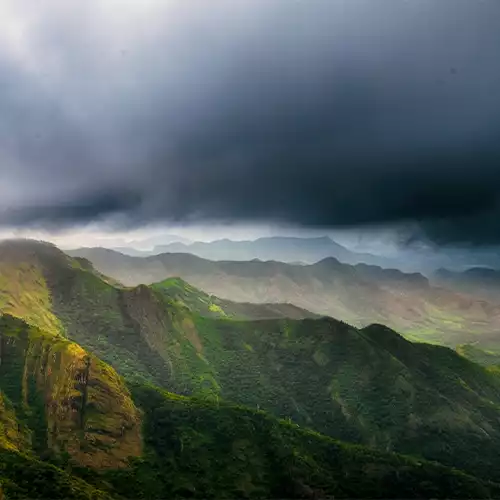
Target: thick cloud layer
[[319, 113]]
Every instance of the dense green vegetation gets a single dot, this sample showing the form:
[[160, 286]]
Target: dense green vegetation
[[27, 478], [320, 373], [369, 386], [203, 450], [199, 449]]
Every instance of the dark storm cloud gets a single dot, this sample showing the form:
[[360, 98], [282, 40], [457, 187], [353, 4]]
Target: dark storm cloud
[[320, 113]]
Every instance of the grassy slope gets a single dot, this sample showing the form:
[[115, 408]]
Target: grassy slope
[[60, 402], [24, 293], [481, 356], [65, 296], [357, 294], [181, 293]]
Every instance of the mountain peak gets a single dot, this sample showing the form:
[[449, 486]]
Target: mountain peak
[[329, 262], [29, 250], [28, 244]]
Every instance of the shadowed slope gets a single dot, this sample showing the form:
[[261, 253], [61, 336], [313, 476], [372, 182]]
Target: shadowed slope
[[205, 450], [24, 477], [197, 449]]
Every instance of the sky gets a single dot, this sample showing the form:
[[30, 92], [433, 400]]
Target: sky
[[125, 119]]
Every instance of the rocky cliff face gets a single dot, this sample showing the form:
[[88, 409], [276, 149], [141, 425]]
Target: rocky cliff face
[[11, 438], [60, 401]]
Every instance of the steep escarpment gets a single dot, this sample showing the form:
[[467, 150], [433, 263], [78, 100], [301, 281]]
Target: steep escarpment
[[134, 330], [65, 402]]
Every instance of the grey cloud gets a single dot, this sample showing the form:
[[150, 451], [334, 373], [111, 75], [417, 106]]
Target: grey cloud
[[320, 114]]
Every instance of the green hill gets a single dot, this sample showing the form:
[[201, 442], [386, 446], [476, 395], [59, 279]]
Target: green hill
[[369, 386], [185, 295], [70, 430]]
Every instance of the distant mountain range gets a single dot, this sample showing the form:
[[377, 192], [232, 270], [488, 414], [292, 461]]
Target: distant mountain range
[[480, 281], [279, 248], [359, 294], [256, 404], [410, 259]]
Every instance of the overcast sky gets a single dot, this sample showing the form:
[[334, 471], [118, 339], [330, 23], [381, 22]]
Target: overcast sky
[[119, 115]]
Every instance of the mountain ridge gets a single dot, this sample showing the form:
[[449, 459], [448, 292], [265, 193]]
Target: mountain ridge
[[481, 281], [279, 248], [359, 294], [201, 447], [322, 373]]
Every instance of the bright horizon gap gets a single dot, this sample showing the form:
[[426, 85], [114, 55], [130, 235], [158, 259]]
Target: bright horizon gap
[[146, 238]]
